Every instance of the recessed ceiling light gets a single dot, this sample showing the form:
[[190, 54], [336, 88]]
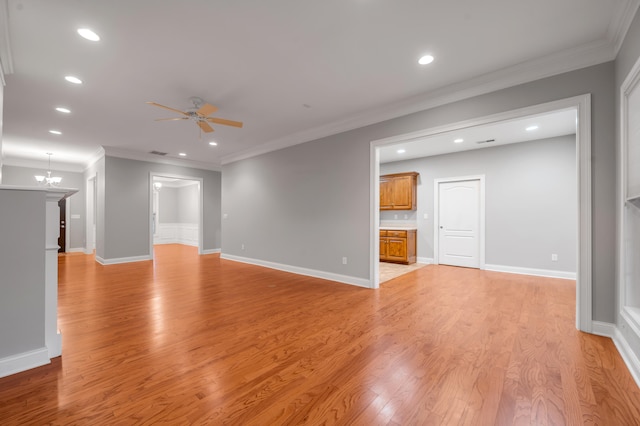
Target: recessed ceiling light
[[182, 154], [459, 140], [55, 132], [531, 128], [88, 34], [63, 109], [401, 151], [426, 59], [212, 143], [72, 79]]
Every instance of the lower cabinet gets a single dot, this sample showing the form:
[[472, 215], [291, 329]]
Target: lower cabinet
[[398, 246]]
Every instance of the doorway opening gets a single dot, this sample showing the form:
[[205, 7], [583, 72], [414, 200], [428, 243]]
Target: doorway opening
[[580, 106], [176, 211]]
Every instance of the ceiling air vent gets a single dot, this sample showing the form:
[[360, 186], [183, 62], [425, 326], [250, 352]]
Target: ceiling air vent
[[158, 153], [487, 141]]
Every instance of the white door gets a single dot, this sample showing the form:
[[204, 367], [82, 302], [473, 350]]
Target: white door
[[459, 223]]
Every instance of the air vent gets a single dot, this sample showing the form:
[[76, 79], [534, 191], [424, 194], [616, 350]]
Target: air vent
[[487, 141], [158, 153]]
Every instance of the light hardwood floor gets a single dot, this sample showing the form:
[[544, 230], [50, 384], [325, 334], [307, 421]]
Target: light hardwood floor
[[200, 340]]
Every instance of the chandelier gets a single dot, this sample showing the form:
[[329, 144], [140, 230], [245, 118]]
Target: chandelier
[[48, 180]]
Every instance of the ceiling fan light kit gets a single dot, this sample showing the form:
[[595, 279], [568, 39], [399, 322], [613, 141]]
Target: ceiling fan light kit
[[201, 115]]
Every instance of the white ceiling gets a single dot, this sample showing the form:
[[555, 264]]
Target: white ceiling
[[291, 70]]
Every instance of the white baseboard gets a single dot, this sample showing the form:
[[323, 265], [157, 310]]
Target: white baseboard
[[211, 251], [628, 356], [531, 271], [102, 261], [360, 282], [24, 361], [425, 260], [75, 250]]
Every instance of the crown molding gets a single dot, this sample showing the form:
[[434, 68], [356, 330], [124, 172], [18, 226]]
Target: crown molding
[[619, 25], [93, 159], [43, 164], [151, 158], [557, 63], [6, 57]]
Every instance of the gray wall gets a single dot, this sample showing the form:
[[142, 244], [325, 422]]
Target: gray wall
[[24, 176], [178, 204], [126, 206], [530, 194], [188, 204], [308, 205], [168, 205], [22, 262]]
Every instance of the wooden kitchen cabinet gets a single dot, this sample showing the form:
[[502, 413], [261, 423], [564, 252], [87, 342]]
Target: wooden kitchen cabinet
[[398, 246], [398, 191]]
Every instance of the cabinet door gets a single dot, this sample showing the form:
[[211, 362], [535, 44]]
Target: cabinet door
[[397, 249], [403, 193], [386, 194], [383, 248]]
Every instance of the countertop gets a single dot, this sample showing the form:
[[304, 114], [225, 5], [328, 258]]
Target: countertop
[[398, 228]]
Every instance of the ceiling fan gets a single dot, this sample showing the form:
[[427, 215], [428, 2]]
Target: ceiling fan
[[200, 114]]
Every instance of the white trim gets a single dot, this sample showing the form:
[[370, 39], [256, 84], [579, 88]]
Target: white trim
[[425, 260], [39, 164], [118, 260], [583, 157], [436, 216], [177, 233], [211, 251], [158, 159], [630, 84], [532, 271], [200, 182], [76, 250], [24, 361], [90, 213], [6, 56], [94, 158], [619, 25], [67, 224], [360, 282], [622, 345]]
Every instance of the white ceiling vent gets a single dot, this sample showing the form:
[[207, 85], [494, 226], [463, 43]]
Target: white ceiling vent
[[486, 141], [158, 153]]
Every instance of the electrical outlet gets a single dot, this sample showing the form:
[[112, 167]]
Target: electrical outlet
[[406, 216], [395, 216], [554, 257], [241, 246], [425, 216], [344, 260]]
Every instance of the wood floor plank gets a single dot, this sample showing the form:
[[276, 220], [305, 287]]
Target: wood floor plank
[[192, 339]]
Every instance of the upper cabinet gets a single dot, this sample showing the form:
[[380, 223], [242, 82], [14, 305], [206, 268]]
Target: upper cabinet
[[398, 191]]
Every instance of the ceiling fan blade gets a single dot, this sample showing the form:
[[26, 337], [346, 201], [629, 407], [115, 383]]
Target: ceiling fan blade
[[224, 121], [171, 119], [206, 110], [169, 108], [205, 126]]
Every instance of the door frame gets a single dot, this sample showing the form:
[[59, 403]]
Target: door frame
[[200, 207], [90, 222], [436, 216], [584, 275]]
